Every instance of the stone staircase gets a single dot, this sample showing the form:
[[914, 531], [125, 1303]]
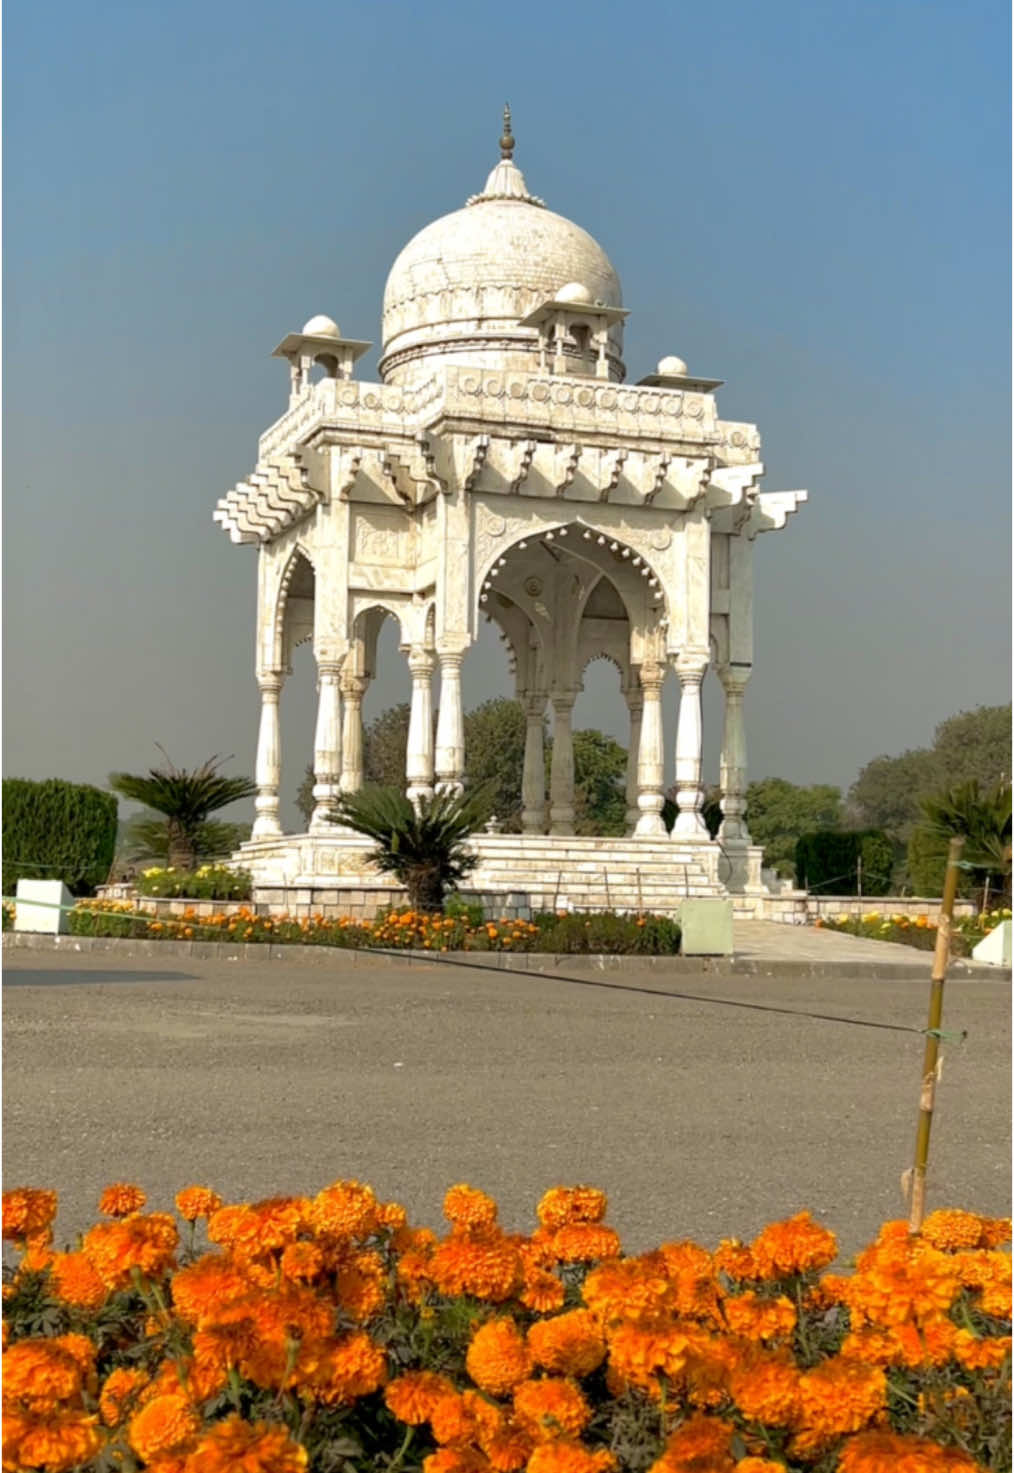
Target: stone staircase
[[573, 873]]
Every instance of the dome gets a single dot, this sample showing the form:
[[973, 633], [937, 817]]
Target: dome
[[321, 327], [672, 367], [577, 292], [458, 291]]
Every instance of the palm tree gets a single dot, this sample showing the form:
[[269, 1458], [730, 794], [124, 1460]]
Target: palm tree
[[424, 849], [186, 799], [983, 819]]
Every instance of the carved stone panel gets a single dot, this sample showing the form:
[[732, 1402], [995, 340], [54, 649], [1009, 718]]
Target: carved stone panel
[[383, 537]]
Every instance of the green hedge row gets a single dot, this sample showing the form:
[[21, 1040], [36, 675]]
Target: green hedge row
[[55, 830], [828, 862]]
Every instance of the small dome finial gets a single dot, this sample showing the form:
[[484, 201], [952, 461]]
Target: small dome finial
[[507, 137]]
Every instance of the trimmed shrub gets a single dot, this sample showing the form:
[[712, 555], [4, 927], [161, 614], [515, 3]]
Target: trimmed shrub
[[55, 830], [210, 882], [828, 861]]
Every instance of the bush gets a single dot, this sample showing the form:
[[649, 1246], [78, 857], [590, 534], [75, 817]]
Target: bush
[[917, 931], [210, 882], [323, 1333], [55, 830], [829, 861]]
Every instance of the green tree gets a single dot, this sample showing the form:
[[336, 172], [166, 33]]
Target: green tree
[[495, 757], [145, 840], [426, 849], [971, 746], [56, 830], [778, 813], [600, 784], [185, 798]]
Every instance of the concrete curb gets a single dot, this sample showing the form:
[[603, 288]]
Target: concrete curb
[[544, 963]]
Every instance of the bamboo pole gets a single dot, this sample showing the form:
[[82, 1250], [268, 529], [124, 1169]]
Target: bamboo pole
[[941, 956]]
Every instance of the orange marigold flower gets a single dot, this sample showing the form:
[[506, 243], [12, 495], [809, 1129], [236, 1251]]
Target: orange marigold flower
[[302, 1261], [339, 1371], [236, 1446], [235, 1226], [569, 1344], [642, 1351], [692, 1271], [759, 1465], [451, 1420], [360, 1285], [585, 1242], [455, 1460], [485, 1265], [836, 1397], [413, 1396], [27, 1210], [508, 1449], [766, 1390], [902, 1280], [760, 1319], [279, 1221], [346, 1209], [164, 1425], [977, 1355], [561, 1206], [121, 1199], [569, 1457], [735, 1260], [701, 1445], [551, 1408], [40, 1374], [995, 1299], [391, 1215], [146, 1243], [120, 1391], [75, 1281], [995, 1231], [194, 1202], [950, 1228], [542, 1291], [56, 1443], [891, 1452], [498, 1358], [627, 1289], [204, 1288], [467, 1207], [796, 1246]]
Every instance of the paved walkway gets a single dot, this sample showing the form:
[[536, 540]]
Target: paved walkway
[[773, 941]]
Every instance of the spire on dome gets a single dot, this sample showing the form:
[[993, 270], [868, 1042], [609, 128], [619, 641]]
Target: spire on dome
[[506, 181], [507, 137]]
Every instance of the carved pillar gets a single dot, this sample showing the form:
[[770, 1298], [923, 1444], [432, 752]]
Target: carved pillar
[[450, 753], [561, 772], [268, 766], [419, 753], [635, 704], [690, 668], [533, 781], [327, 746], [353, 688], [651, 754], [732, 775]]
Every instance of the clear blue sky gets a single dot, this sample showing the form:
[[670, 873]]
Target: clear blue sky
[[810, 201]]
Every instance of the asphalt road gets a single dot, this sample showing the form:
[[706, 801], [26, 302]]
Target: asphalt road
[[699, 1120]]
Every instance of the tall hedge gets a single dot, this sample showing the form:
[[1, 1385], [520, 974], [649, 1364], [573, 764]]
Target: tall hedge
[[55, 830], [827, 862]]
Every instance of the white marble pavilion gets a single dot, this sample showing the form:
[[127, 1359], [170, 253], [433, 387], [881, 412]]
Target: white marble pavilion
[[502, 469]]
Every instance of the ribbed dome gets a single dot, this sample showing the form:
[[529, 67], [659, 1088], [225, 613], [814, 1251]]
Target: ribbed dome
[[458, 290]]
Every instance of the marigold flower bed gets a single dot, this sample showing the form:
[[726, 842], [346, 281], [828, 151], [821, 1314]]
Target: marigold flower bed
[[919, 931], [324, 1333], [399, 930]]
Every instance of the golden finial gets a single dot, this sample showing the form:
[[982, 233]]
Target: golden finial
[[507, 138]]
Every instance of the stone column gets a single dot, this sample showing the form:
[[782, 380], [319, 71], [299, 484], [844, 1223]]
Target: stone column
[[635, 704], [268, 766], [732, 776], [561, 772], [450, 753], [327, 746], [353, 687], [651, 754], [533, 781], [419, 754], [690, 668]]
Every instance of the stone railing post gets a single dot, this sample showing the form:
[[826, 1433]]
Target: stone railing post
[[533, 780], [268, 766], [419, 752], [561, 771], [690, 668], [327, 745], [732, 774], [353, 688], [450, 750], [635, 706], [650, 754]]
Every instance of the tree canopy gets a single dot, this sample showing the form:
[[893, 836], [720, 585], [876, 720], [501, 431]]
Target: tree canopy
[[186, 798], [778, 813]]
